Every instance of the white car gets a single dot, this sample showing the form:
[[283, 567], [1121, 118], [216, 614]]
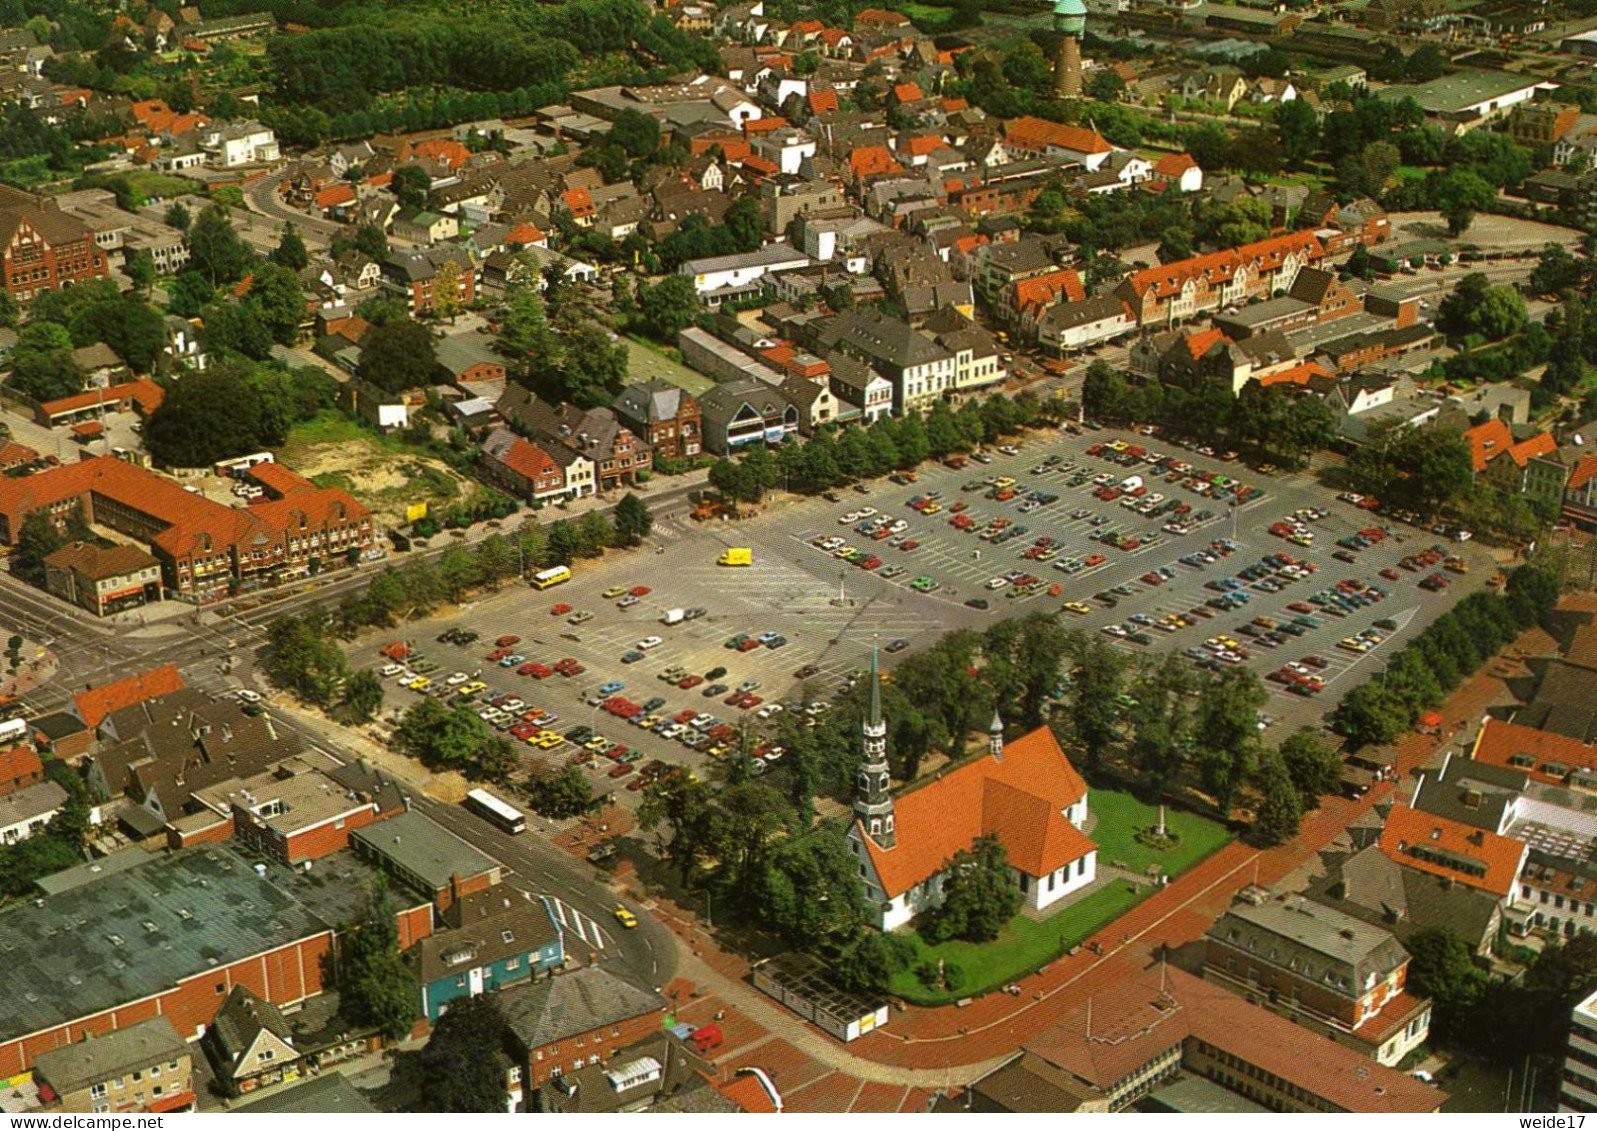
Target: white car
[[998, 583], [457, 679], [851, 516], [245, 695], [649, 642], [865, 512], [389, 671], [899, 526], [769, 710]]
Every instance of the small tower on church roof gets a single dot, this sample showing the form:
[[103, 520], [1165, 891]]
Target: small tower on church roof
[[995, 737], [873, 797]]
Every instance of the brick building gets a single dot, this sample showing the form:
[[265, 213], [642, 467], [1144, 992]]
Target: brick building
[[19, 768], [1321, 969], [42, 249], [577, 1018], [206, 550], [521, 468], [1205, 283], [665, 416], [103, 579]]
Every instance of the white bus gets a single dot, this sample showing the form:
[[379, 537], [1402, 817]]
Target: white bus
[[545, 578], [13, 730], [495, 811]]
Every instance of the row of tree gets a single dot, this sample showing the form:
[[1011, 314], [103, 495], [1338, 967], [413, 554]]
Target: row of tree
[[1450, 650], [1275, 423], [834, 459]]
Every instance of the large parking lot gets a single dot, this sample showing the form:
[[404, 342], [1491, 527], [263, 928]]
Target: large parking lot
[[958, 544]]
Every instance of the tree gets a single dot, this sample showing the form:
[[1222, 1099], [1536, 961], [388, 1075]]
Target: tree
[[1105, 86], [177, 216], [188, 294], [561, 795], [1313, 765], [363, 695], [290, 250], [371, 240], [812, 895], [41, 363], [979, 895], [525, 337], [635, 132], [375, 986], [1376, 164], [666, 308], [139, 267], [214, 247], [303, 658], [1175, 243], [459, 1069], [40, 537], [277, 301], [1094, 719], [206, 417], [410, 185], [1458, 194], [1297, 129], [1556, 271], [453, 738], [1227, 731], [1280, 809], [870, 963], [633, 522], [397, 356], [446, 290]]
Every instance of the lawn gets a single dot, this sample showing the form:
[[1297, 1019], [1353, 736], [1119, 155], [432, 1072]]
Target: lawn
[[1026, 944], [646, 361], [383, 471], [1120, 815], [1021, 947]]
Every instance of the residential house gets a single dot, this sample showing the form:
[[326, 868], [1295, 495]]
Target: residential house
[[29, 810], [250, 1044], [1204, 283], [418, 225], [665, 416], [522, 469], [19, 767], [230, 145], [487, 941], [415, 275], [596, 434], [143, 1067], [577, 1018], [1037, 137], [921, 371], [725, 277], [860, 390], [977, 364], [103, 580], [470, 358], [1320, 968], [1070, 326]]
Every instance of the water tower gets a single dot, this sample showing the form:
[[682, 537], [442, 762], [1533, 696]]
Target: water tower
[[1070, 20]]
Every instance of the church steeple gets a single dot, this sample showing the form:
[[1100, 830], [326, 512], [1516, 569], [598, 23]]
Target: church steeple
[[873, 799], [995, 737]]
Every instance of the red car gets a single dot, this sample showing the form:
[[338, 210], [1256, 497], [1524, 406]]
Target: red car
[[694, 680], [535, 670], [685, 716], [870, 563], [1094, 560], [559, 610], [641, 591], [747, 646], [910, 544], [507, 641], [524, 731], [496, 655], [620, 770]]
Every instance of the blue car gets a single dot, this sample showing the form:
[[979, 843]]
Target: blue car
[[632, 657], [612, 687]]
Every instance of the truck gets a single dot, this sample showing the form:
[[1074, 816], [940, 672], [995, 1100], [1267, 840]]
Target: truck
[[736, 556], [674, 616]]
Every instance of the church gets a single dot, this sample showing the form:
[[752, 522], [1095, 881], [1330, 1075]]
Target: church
[[1025, 792]]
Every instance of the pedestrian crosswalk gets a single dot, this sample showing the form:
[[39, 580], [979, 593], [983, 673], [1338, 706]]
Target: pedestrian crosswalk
[[574, 921]]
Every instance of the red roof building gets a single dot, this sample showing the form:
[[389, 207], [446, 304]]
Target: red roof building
[[19, 767], [1024, 793], [1040, 136], [96, 703], [1221, 278], [1443, 847], [1541, 755]]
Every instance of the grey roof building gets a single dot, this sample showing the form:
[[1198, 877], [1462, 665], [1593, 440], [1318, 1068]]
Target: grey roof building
[[1371, 886], [1307, 937], [328, 1094], [140, 932], [421, 852], [588, 998], [72, 1067]]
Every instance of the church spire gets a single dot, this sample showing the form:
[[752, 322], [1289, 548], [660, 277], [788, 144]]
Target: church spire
[[995, 737], [873, 798]]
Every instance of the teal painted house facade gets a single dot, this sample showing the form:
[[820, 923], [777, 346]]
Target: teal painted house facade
[[490, 940]]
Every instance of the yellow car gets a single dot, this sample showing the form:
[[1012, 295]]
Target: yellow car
[[475, 687], [932, 509], [597, 743], [626, 918], [420, 683], [1077, 607], [614, 591], [549, 739]]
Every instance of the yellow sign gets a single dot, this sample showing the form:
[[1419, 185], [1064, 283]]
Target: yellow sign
[[415, 511]]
